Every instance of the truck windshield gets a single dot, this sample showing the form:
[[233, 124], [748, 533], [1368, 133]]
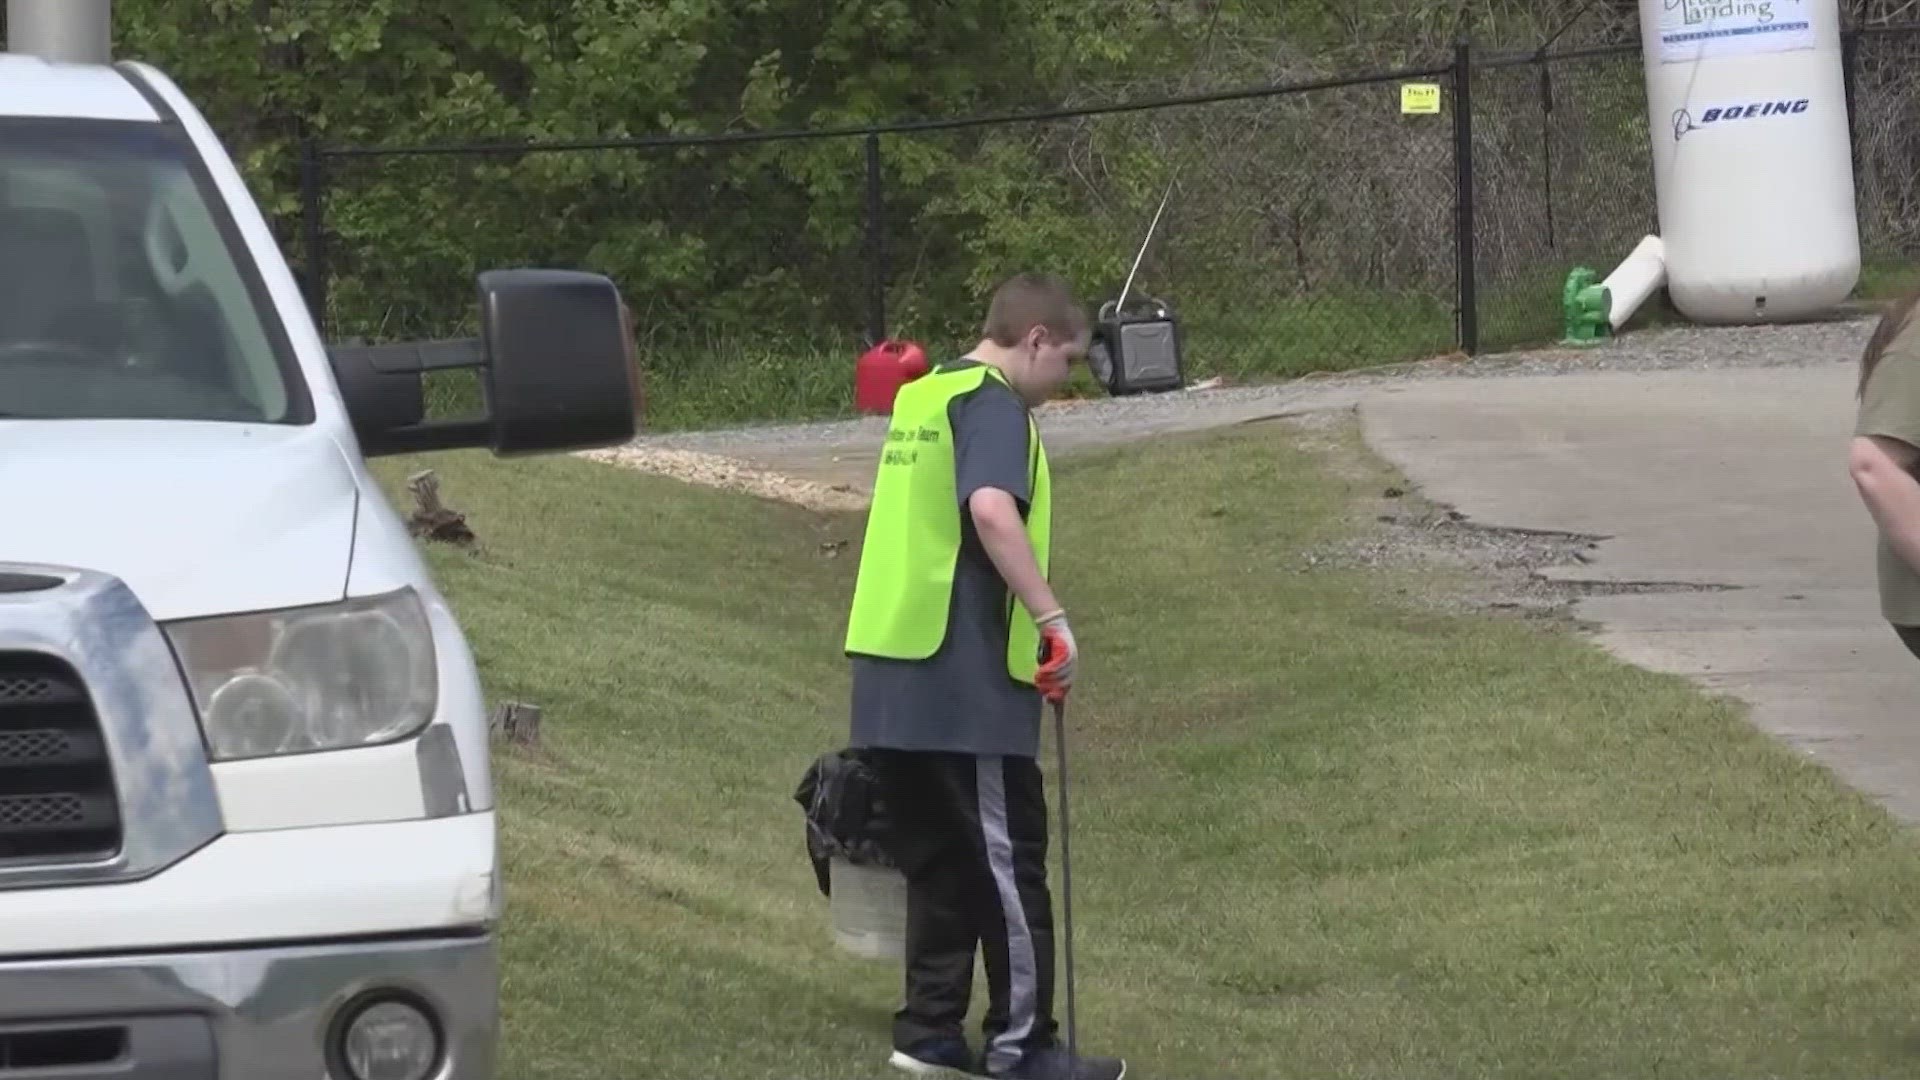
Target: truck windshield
[[125, 292]]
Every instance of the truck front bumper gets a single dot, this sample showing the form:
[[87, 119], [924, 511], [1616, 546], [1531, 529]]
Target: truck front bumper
[[259, 1013]]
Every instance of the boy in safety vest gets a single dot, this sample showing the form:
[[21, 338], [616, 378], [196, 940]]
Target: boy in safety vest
[[950, 614]]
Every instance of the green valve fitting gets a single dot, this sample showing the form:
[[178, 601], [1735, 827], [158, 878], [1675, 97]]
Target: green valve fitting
[[1586, 304]]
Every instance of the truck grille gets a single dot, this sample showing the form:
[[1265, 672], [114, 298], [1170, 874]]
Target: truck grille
[[56, 785]]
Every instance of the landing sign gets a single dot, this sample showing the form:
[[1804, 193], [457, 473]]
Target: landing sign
[[1702, 29]]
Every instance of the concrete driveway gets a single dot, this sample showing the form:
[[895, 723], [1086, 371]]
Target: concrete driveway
[[1730, 477]]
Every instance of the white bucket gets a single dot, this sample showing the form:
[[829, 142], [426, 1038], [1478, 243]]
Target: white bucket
[[869, 905]]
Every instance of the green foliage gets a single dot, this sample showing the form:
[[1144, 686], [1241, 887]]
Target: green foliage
[[740, 236], [1321, 220]]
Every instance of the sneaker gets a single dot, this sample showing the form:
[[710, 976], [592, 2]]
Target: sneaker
[[948, 1058], [1054, 1064]]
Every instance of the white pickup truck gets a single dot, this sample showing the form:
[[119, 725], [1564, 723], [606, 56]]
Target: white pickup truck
[[246, 825]]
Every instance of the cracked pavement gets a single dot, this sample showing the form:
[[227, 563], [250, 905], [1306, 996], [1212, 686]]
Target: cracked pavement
[[1730, 483]]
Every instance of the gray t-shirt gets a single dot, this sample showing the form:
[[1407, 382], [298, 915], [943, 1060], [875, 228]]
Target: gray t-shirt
[[1890, 408], [961, 699]]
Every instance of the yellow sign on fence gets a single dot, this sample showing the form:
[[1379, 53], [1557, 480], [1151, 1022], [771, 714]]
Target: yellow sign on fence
[[1419, 99]]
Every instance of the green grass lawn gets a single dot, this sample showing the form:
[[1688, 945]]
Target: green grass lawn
[[1882, 279], [1322, 829]]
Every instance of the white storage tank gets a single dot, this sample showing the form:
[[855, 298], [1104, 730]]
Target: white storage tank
[[1752, 164]]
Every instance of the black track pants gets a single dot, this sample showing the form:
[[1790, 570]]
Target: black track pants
[[971, 836]]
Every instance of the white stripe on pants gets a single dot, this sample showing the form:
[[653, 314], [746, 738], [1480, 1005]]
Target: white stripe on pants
[[1023, 989]]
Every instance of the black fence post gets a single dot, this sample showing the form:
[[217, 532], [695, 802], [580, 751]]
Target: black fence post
[[313, 228], [876, 245], [1469, 315], [1546, 147]]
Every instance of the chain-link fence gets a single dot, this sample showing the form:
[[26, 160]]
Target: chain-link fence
[[1297, 229], [1883, 71], [1562, 177], [1305, 227]]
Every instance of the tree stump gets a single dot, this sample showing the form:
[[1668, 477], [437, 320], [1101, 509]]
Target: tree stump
[[431, 519], [517, 723]]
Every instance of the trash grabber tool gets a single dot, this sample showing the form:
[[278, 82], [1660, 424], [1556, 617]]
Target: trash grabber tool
[[1059, 703]]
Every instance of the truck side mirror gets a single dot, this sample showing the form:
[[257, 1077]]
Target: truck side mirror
[[556, 372]]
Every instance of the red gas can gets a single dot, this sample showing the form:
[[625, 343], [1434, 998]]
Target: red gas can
[[882, 371]]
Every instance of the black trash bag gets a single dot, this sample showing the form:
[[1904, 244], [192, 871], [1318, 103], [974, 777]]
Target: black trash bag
[[845, 815]]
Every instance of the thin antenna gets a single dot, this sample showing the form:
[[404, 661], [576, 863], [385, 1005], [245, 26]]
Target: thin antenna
[[1121, 304]]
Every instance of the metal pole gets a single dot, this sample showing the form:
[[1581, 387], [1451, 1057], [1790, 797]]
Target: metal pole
[[1464, 255], [876, 246], [71, 31], [313, 228], [1066, 883], [1546, 146]]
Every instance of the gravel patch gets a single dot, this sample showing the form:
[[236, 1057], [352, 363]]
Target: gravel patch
[[768, 459], [1406, 530], [1110, 418], [1397, 529], [1486, 569], [1505, 564]]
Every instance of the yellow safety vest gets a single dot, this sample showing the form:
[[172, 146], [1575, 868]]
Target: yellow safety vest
[[912, 545]]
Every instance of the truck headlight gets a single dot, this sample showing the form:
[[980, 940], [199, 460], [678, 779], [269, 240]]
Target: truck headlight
[[356, 673]]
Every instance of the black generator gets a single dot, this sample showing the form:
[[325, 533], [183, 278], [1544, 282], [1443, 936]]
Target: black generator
[[1136, 351]]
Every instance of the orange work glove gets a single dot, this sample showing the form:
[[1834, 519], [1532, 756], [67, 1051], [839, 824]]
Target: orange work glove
[[1058, 655]]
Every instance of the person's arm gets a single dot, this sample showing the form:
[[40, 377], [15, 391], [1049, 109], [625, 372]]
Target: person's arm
[[1003, 532], [991, 436], [1880, 467]]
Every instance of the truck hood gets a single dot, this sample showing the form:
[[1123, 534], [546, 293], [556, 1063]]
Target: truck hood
[[198, 519]]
